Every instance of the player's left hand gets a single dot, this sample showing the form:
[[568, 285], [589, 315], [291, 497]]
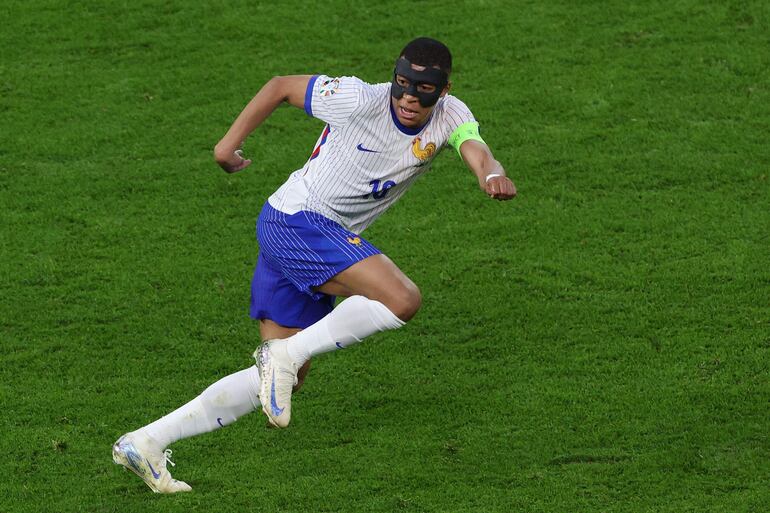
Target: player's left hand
[[500, 188]]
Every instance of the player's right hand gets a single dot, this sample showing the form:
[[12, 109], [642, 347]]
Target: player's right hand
[[233, 162], [500, 188]]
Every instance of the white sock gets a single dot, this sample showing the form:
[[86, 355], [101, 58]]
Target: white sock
[[219, 405], [353, 320]]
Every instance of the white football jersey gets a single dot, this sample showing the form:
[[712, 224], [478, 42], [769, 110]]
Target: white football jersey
[[365, 159]]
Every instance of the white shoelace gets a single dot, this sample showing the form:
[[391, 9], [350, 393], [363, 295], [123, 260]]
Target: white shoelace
[[167, 455]]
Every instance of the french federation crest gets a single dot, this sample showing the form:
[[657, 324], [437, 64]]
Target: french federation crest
[[423, 153]]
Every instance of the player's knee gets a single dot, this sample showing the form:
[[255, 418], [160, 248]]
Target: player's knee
[[406, 302]]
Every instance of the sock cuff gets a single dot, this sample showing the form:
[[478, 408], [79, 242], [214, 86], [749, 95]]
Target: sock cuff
[[381, 314]]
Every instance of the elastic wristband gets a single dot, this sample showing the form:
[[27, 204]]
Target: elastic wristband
[[466, 132], [493, 175]]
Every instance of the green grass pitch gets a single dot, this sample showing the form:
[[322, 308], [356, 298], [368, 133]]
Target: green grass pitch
[[599, 344]]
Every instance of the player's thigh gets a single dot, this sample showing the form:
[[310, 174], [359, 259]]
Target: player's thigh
[[378, 278]]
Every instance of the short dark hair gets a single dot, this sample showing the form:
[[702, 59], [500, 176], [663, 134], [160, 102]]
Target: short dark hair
[[428, 52]]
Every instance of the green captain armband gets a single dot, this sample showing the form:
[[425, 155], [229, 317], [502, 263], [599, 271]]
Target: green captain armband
[[466, 132]]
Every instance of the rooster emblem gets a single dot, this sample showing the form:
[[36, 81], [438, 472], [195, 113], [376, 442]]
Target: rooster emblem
[[423, 153]]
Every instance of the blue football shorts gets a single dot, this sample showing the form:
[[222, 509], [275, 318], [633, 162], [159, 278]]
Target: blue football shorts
[[297, 253]]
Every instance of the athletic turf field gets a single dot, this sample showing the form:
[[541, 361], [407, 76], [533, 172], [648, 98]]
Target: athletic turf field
[[599, 344]]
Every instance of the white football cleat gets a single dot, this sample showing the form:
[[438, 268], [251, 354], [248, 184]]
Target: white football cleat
[[141, 455], [278, 375]]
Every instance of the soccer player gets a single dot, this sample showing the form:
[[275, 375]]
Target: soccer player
[[377, 140]]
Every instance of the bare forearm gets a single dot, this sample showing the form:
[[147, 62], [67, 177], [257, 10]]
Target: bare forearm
[[289, 89], [489, 172], [488, 166], [258, 109]]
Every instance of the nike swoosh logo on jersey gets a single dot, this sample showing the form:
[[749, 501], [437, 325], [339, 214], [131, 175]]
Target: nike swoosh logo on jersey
[[360, 147], [156, 475], [274, 405]]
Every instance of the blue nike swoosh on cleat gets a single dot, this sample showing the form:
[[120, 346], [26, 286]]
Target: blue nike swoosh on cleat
[[219, 421], [339, 345], [360, 147], [156, 475], [274, 405]]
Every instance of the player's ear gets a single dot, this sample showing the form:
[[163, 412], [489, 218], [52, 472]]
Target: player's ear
[[446, 89]]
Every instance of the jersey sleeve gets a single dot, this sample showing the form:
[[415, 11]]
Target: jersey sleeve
[[333, 100], [461, 123]]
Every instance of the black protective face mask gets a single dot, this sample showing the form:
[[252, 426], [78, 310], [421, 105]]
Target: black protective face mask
[[431, 76]]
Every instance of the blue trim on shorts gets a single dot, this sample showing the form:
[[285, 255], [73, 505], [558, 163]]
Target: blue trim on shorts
[[309, 95]]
